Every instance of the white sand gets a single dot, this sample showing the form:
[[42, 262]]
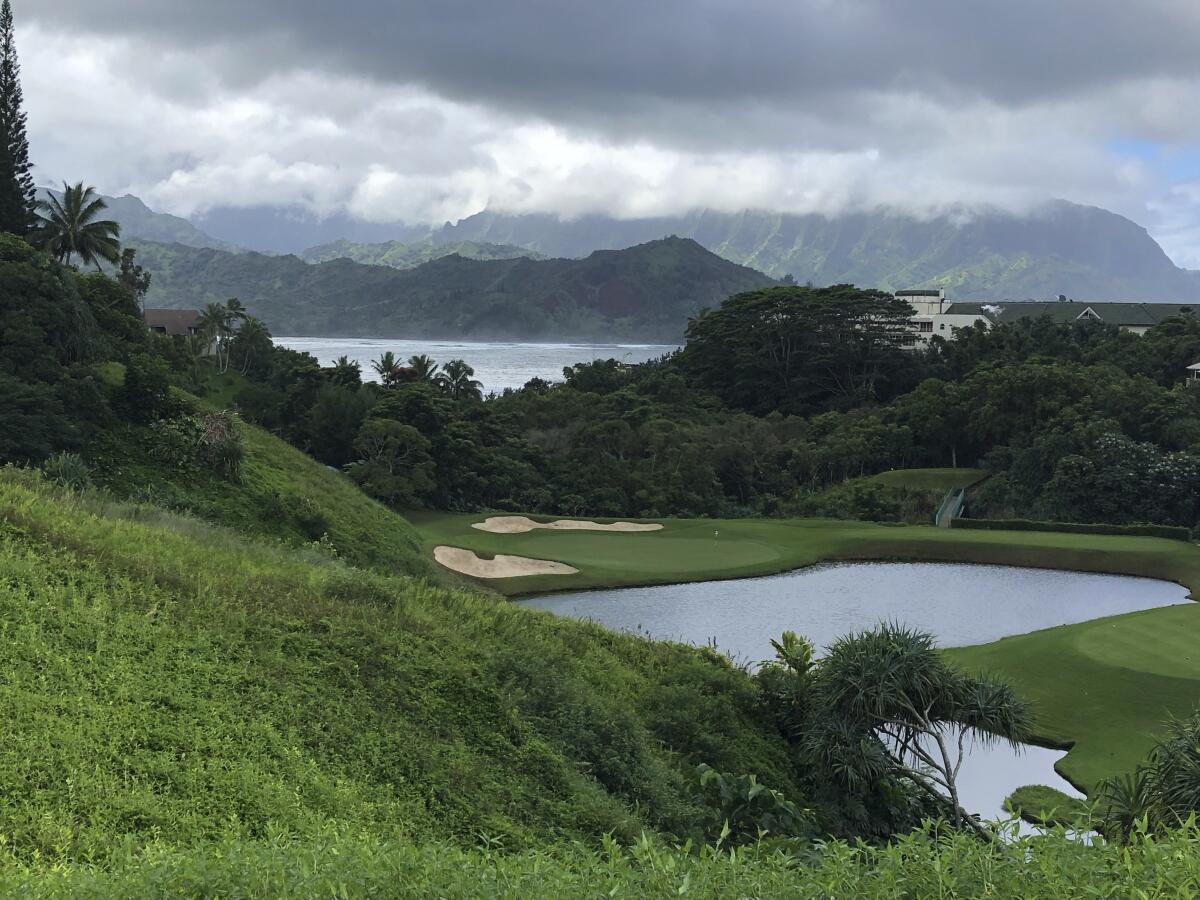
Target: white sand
[[466, 562], [521, 524]]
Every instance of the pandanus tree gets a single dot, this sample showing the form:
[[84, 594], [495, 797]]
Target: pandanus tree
[[886, 705], [457, 381], [69, 226]]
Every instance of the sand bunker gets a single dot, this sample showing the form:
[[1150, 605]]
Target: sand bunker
[[466, 562], [521, 524]]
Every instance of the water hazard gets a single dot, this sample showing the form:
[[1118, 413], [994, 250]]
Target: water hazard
[[958, 604]]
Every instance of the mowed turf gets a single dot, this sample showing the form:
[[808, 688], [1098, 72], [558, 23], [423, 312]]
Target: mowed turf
[[1107, 685], [927, 479], [1104, 686]]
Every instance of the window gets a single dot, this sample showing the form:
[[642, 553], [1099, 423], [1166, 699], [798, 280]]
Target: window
[[942, 326], [925, 327]]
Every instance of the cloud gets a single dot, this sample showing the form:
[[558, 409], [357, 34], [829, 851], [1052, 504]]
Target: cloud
[[429, 111]]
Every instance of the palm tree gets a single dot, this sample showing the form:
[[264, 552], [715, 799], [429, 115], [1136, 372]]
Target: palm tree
[[214, 326], [70, 227], [346, 372], [219, 322], [388, 368], [251, 341], [423, 367], [456, 380]]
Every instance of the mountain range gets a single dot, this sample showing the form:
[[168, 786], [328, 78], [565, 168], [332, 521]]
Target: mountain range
[[1062, 248], [645, 293]]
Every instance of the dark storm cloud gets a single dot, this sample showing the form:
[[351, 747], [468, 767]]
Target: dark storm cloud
[[605, 62]]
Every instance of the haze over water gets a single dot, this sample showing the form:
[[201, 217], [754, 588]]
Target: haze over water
[[498, 365]]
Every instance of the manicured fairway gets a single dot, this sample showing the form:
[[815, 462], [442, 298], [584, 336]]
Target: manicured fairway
[[1105, 686]]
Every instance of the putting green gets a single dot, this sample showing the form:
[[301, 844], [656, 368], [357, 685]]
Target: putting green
[[1105, 686]]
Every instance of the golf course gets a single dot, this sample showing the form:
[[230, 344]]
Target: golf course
[[1102, 687]]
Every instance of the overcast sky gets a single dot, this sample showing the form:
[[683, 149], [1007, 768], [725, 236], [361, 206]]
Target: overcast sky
[[428, 111]]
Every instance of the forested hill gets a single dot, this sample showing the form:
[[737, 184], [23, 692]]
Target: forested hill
[[646, 292], [1063, 248], [409, 255]]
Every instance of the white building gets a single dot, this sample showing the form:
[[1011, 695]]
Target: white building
[[934, 314]]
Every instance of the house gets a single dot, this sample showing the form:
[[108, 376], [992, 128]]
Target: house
[[1137, 318], [173, 322], [934, 314], [1193, 374]]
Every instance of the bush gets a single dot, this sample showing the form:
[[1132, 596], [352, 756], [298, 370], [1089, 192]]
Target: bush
[[68, 469], [1173, 532], [210, 441]]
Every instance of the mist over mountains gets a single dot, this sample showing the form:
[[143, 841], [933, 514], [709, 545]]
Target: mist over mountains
[[1062, 248]]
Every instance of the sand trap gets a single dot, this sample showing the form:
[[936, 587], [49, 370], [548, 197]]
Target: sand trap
[[521, 524], [466, 562]]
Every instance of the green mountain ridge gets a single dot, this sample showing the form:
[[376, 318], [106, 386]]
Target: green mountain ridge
[[1061, 248], [409, 255], [645, 292]]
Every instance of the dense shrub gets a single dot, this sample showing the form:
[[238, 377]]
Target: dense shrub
[[68, 469], [1163, 531]]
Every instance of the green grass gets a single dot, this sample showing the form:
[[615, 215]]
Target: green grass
[[707, 549], [1104, 687], [942, 480], [1042, 805], [170, 683], [283, 494], [917, 866]]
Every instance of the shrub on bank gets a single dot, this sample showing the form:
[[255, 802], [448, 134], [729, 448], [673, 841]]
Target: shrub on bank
[[1172, 532]]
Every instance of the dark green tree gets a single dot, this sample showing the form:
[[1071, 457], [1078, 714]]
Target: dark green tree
[[17, 199]]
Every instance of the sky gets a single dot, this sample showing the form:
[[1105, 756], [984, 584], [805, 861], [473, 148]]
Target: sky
[[431, 111]]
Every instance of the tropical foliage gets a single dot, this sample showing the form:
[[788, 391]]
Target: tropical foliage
[[67, 226]]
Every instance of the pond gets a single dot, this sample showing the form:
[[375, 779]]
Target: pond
[[958, 604]]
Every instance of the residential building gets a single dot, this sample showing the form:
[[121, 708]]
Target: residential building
[[934, 314], [174, 322]]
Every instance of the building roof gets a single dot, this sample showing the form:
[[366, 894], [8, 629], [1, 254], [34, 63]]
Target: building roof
[[172, 321], [1123, 314]]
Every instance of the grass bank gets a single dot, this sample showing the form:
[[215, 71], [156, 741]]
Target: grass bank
[[1101, 687], [170, 683]]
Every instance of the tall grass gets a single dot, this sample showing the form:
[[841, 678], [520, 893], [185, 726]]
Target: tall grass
[[168, 682]]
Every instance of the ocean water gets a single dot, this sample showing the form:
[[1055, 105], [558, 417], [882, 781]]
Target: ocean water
[[498, 365]]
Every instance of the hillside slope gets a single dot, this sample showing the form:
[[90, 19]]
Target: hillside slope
[[645, 292], [172, 683]]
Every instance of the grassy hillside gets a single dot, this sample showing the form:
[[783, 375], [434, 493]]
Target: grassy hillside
[[645, 292], [282, 494], [172, 682], [917, 865]]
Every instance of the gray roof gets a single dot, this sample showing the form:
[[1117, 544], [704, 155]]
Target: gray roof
[[1125, 314], [172, 321]]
